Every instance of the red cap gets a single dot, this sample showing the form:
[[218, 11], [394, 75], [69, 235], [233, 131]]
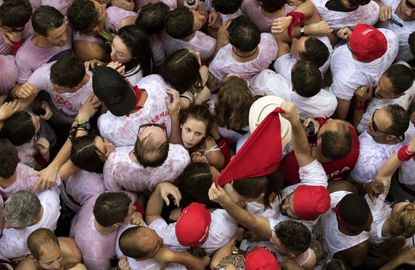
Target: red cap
[[261, 259], [367, 43], [311, 201], [192, 227]]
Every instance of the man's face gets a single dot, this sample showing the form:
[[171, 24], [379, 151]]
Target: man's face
[[279, 246], [378, 125], [287, 206], [298, 46], [11, 34], [384, 88], [51, 257], [406, 10], [150, 242], [102, 15], [58, 36], [198, 20]]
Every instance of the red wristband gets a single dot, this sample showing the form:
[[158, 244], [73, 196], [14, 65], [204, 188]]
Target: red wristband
[[298, 20], [405, 154], [321, 120]]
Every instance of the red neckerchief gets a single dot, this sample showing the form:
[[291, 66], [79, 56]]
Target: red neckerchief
[[137, 93]]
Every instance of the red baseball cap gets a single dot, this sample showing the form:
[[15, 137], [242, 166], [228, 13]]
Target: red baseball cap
[[367, 43], [311, 201], [192, 227], [261, 259]]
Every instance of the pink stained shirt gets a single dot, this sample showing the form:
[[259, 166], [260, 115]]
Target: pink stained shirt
[[224, 63], [30, 57], [97, 249], [25, 180], [121, 173], [115, 17], [13, 242], [67, 103], [83, 185], [61, 5], [122, 130]]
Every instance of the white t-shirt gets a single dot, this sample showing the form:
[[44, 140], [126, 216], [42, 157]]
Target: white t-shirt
[[122, 130], [13, 242], [224, 63], [402, 32], [67, 103], [323, 104], [121, 173], [83, 185], [334, 239], [269, 83], [61, 5], [373, 154], [349, 74], [201, 43], [115, 17], [222, 229], [367, 14], [381, 211]]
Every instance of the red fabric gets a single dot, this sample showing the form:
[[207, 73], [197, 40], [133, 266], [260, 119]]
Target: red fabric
[[261, 153], [298, 20], [261, 259], [224, 145], [367, 43], [139, 208], [15, 46], [335, 169], [311, 201], [41, 160]]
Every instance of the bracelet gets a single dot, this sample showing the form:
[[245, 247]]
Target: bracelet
[[360, 106], [405, 154], [298, 20]]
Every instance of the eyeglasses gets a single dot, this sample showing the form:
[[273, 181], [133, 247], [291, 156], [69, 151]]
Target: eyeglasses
[[152, 125], [409, 4], [376, 128]]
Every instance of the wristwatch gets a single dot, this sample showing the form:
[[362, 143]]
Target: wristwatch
[[302, 31], [84, 126]]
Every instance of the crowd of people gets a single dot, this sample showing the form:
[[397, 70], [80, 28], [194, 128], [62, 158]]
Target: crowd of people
[[207, 134]]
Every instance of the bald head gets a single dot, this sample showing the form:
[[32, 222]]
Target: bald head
[[139, 242], [39, 239]]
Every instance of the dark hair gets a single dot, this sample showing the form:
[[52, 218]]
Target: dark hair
[[315, 51], [226, 6], [148, 145], [336, 264], [151, 17], [15, 13], [306, 78], [233, 103], [130, 241], [293, 235], [85, 154], [138, 45], [199, 113], [244, 35], [38, 238], [411, 41], [337, 144], [401, 77], [252, 188], [194, 184], [68, 71], [46, 18], [181, 71], [399, 118], [19, 128], [179, 22], [272, 5], [111, 208], [361, 2], [354, 210], [83, 16], [8, 158]]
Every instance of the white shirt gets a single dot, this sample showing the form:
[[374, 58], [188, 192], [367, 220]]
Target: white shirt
[[13, 242], [269, 83], [224, 63], [323, 104], [381, 211], [349, 74], [122, 130]]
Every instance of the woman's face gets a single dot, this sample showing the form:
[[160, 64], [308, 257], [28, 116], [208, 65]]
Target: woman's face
[[104, 146], [119, 51], [193, 131], [36, 121]]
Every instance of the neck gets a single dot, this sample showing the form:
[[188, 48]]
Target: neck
[[102, 229], [84, 81], [6, 182], [244, 56], [41, 42]]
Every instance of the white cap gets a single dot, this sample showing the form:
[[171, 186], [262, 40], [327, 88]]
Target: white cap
[[261, 108]]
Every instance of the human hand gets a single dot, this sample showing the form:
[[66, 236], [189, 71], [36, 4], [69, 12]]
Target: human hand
[[44, 147], [203, 96], [289, 111], [123, 263], [119, 67], [364, 93], [88, 109], [47, 177], [280, 25], [204, 74], [218, 194], [213, 18], [124, 4], [321, 28], [48, 111], [385, 12], [344, 33], [26, 90], [411, 145], [173, 102], [165, 189], [137, 219], [92, 64], [198, 157], [7, 109], [374, 189]]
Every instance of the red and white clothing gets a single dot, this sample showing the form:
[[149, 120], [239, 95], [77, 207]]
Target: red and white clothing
[[122, 173], [335, 169], [115, 16], [224, 63], [122, 130], [67, 103], [334, 239], [28, 31], [367, 14], [381, 211], [323, 104], [349, 74], [402, 32], [373, 154], [25, 180], [269, 83], [201, 43], [222, 229], [30, 57], [97, 249], [13, 242]]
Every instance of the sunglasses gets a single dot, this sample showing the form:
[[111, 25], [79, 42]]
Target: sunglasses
[[376, 128]]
